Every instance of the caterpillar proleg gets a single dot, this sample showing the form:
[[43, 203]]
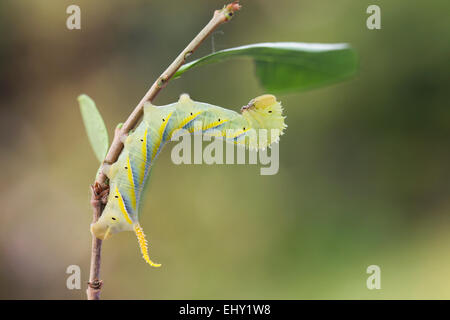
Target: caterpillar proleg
[[128, 175]]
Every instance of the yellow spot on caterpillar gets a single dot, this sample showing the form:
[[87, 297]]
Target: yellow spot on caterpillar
[[131, 181], [143, 245], [122, 206]]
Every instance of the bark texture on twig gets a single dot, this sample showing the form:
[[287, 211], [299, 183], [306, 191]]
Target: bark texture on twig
[[99, 189]]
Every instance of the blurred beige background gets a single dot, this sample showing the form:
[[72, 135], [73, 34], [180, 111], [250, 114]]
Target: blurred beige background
[[364, 166]]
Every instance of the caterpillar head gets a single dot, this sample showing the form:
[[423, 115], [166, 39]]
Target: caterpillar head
[[265, 112], [109, 223]]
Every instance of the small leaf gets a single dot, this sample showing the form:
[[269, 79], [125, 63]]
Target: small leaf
[[283, 67], [95, 127]]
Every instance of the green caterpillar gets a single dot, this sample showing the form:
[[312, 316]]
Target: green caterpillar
[[128, 175]]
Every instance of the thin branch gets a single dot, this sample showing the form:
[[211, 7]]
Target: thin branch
[[99, 189]]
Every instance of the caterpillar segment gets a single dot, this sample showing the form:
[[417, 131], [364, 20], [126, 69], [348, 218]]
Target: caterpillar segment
[[128, 175]]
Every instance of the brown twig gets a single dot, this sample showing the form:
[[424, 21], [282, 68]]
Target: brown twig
[[100, 188]]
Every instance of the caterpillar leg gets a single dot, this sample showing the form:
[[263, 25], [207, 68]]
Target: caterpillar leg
[[100, 192], [143, 245]]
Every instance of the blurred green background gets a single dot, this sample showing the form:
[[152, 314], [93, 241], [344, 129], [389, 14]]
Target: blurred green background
[[364, 166]]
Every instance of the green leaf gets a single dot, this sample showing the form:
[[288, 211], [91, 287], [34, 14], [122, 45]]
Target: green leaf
[[95, 127], [285, 67]]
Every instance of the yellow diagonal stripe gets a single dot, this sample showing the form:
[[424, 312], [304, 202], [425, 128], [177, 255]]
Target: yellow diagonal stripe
[[122, 207]]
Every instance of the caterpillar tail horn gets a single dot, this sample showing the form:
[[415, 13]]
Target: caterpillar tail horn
[[143, 245]]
